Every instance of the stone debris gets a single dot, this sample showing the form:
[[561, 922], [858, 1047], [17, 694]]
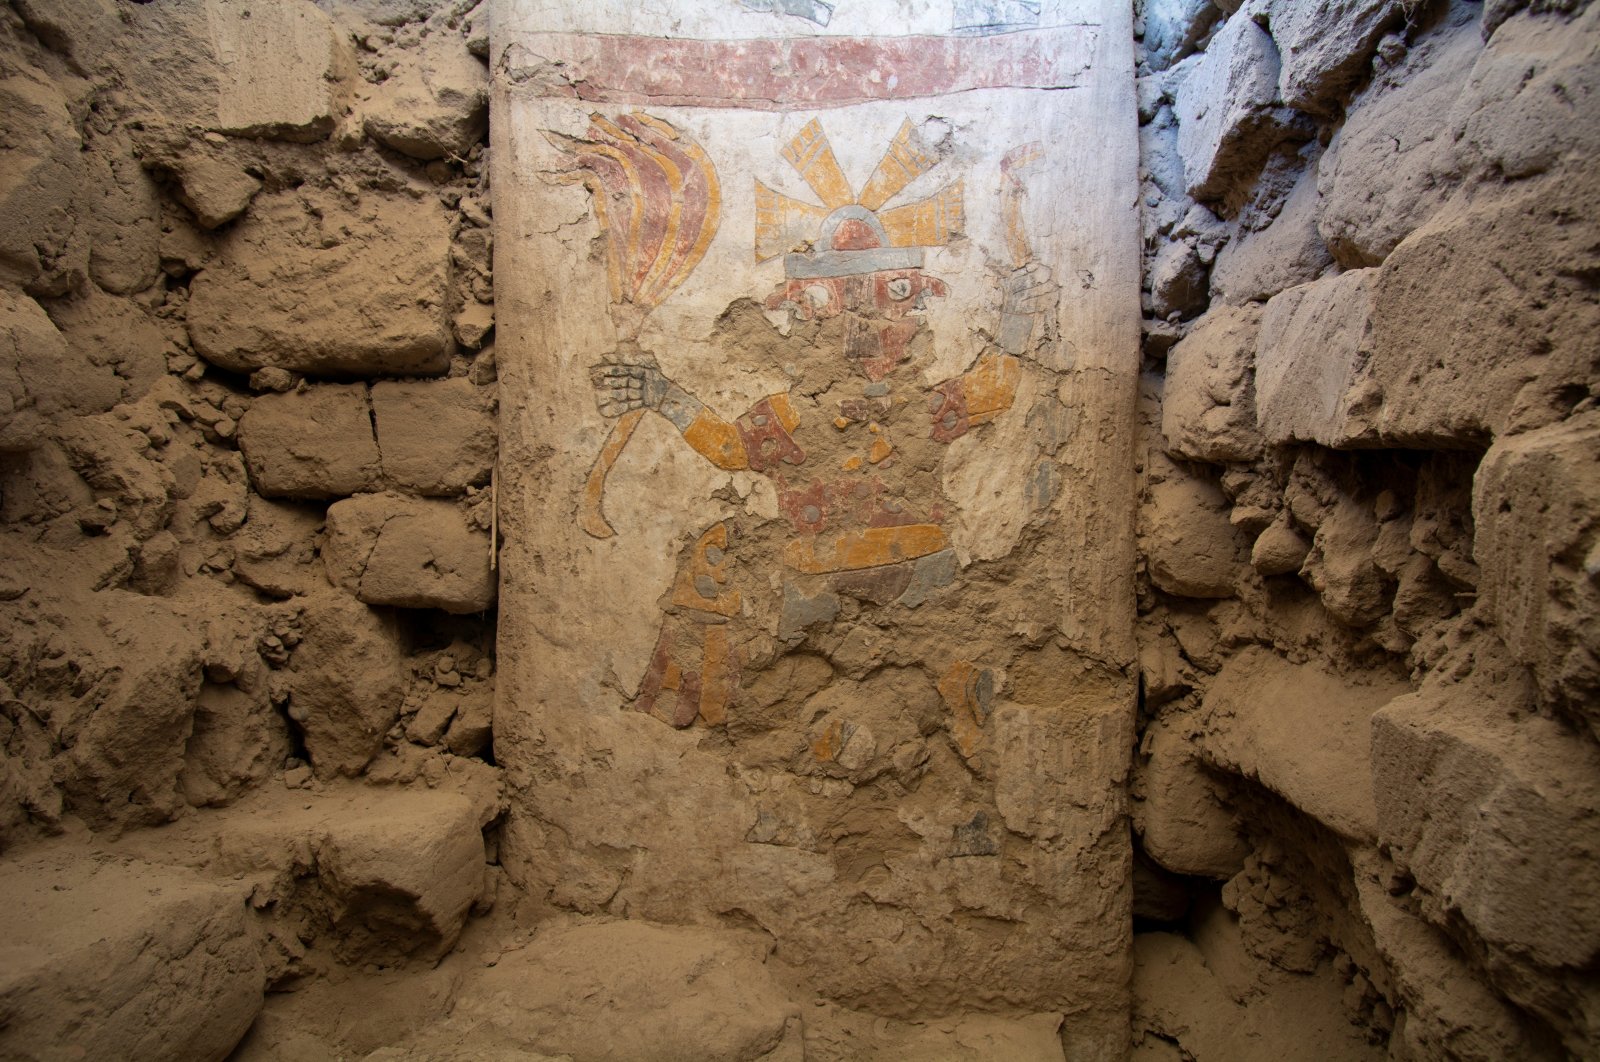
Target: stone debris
[[1388, 712], [345, 681], [117, 351], [1180, 810], [1313, 375], [274, 549], [40, 375], [1325, 48], [145, 661], [433, 106], [1464, 766], [124, 217], [215, 188], [194, 224], [1279, 550], [1177, 282], [42, 250], [405, 552], [238, 740], [436, 437], [1172, 31], [472, 725], [396, 872], [1228, 109], [1499, 355], [1450, 1013], [667, 991], [1535, 502], [312, 443], [282, 67], [1385, 171], [1504, 788], [1287, 252], [124, 959], [1300, 731], [1525, 109], [1190, 546], [308, 284], [1209, 410], [1187, 991]]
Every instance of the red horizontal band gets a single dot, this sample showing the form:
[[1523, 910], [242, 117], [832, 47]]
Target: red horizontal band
[[770, 74]]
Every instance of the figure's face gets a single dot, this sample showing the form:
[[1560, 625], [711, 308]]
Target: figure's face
[[879, 310]]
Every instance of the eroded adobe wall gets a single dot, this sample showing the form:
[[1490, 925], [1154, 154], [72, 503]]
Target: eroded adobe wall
[[1368, 515], [246, 442], [817, 340]]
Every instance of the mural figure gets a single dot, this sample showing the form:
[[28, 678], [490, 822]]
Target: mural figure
[[854, 456]]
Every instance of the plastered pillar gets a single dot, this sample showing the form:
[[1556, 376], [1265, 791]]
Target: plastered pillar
[[818, 339]]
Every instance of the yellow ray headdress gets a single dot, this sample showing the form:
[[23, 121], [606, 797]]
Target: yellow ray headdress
[[785, 225]]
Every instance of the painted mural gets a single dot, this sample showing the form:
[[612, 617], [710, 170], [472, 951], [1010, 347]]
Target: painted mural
[[813, 392], [855, 467]]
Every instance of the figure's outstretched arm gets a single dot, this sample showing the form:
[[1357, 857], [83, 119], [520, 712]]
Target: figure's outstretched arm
[[975, 397], [621, 388], [986, 390]]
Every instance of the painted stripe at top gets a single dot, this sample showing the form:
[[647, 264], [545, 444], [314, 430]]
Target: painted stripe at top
[[781, 74]]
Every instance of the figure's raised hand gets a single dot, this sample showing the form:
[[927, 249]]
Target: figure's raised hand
[[1029, 289], [1028, 292], [621, 385]]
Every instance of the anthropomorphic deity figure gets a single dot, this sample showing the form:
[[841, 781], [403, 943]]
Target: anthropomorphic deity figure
[[854, 455]]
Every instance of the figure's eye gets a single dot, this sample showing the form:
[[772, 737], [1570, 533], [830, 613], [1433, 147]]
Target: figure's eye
[[900, 288]]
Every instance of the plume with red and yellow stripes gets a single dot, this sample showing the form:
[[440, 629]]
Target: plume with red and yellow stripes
[[657, 198]]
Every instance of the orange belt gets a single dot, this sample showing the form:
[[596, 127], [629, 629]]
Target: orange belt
[[864, 549]]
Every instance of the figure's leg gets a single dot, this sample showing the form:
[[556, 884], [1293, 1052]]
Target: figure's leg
[[694, 670], [968, 692], [668, 692], [967, 679]]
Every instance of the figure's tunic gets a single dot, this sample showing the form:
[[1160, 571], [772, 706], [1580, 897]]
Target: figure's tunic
[[859, 491]]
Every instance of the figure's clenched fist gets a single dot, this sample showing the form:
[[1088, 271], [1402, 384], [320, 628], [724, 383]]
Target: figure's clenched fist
[[623, 386]]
